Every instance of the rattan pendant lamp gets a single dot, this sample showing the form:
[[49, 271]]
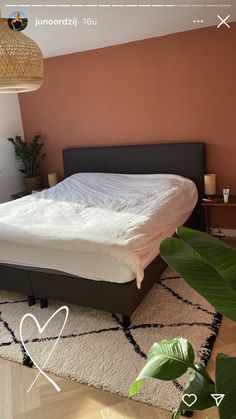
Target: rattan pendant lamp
[[21, 61]]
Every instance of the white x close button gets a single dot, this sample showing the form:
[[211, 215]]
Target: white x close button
[[223, 21]]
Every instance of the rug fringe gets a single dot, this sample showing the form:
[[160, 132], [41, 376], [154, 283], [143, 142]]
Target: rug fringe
[[208, 346]]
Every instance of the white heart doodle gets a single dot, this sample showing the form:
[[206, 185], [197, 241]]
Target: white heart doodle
[[189, 396], [41, 330]]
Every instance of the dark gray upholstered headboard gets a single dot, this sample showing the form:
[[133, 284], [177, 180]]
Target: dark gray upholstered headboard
[[185, 159]]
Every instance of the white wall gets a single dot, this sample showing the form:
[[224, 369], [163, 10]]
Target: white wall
[[10, 126]]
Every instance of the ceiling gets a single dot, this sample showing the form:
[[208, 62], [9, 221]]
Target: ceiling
[[116, 21]]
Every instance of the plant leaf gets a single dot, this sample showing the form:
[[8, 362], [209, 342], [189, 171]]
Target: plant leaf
[[167, 360], [218, 254], [199, 275], [28, 153], [226, 384], [200, 384]]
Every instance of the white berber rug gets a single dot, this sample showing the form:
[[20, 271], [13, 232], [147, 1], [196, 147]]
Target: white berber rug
[[94, 347]]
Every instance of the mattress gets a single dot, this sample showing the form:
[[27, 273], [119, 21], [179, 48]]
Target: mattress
[[96, 225], [96, 266]]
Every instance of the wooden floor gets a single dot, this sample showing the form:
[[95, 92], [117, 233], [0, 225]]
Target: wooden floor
[[81, 401]]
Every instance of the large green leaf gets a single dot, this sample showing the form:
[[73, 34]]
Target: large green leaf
[[201, 385], [167, 360], [215, 252], [226, 384], [200, 275]]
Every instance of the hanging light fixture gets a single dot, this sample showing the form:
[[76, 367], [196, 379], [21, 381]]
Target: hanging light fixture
[[21, 61]]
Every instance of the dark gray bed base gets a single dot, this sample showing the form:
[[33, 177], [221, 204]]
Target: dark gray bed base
[[115, 298], [185, 159]]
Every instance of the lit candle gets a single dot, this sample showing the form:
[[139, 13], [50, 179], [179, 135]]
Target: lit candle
[[210, 184], [52, 179]]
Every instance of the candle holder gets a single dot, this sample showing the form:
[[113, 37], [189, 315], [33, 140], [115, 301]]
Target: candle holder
[[52, 179], [210, 185]]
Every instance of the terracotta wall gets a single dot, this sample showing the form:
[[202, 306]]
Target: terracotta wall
[[179, 87]]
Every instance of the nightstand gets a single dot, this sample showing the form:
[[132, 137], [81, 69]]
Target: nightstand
[[216, 202], [20, 195]]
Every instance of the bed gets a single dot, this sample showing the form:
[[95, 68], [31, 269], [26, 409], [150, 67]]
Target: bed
[[73, 283]]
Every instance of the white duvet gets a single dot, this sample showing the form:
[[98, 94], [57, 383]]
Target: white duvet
[[125, 216]]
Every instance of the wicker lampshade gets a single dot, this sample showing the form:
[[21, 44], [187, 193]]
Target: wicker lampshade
[[21, 61]]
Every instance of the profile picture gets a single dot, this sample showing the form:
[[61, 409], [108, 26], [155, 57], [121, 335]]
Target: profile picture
[[17, 21]]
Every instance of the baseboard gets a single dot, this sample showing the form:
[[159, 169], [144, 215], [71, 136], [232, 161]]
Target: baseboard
[[229, 232]]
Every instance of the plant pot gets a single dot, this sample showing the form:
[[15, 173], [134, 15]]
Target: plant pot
[[32, 183]]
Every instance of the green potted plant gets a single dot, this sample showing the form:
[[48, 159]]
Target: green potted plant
[[29, 153], [209, 266]]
